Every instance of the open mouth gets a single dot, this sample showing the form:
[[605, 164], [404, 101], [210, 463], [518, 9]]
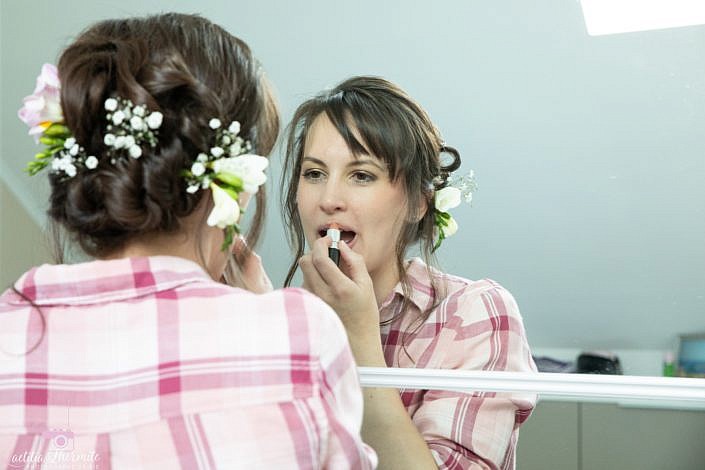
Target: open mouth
[[345, 235]]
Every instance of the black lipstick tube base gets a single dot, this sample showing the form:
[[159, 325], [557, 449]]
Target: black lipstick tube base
[[334, 254]]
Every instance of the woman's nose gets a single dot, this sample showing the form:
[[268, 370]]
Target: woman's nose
[[332, 199]]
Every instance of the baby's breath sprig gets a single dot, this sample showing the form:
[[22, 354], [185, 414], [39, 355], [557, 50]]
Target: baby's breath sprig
[[129, 127]]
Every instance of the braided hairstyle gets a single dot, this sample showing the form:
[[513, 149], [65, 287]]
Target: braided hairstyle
[[183, 66]]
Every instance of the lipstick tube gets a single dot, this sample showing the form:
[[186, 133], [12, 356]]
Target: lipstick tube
[[333, 251]]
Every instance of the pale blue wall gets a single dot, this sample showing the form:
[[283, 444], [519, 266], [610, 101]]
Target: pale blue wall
[[589, 151]]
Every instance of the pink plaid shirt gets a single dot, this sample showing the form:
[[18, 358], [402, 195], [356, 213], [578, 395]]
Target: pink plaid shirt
[[476, 327], [148, 363]]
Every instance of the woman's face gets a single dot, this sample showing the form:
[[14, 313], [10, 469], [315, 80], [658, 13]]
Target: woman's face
[[354, 193]]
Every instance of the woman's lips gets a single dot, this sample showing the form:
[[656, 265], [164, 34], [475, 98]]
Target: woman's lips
[[347, 236]]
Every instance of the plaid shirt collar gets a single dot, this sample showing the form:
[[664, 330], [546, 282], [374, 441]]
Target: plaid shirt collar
[[421, 289], [105, 280]]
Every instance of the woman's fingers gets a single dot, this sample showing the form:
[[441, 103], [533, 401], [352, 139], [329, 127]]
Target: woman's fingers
[[353, 264], [252, 273]]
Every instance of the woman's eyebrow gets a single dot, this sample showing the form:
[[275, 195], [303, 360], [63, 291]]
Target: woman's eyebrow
[[314, 160], [367, 161], [355, 163]]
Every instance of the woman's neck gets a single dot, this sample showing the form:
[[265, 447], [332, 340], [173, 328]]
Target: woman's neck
[[384, 281], [194, 242]]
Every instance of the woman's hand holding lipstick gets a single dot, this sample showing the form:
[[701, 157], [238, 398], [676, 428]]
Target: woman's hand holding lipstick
[[349, 291], [250, 275]]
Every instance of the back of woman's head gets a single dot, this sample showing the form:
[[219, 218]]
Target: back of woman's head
[[182, 66], [393, 128]]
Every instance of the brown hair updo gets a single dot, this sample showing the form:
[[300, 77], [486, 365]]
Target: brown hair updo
[[190, 70]]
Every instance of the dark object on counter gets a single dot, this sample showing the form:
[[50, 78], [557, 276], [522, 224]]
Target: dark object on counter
[[549, 364], [598, 363]]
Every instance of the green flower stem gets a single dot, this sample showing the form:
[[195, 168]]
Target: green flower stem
[[230, 190], [51, 141], [57, 130], [231, 180]]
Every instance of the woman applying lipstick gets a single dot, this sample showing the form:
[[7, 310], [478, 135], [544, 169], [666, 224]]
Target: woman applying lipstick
[[365, 159]]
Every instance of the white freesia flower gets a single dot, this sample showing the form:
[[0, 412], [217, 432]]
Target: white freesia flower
[[214, 123], [118, 117], [109, 140], [111, 104], [135, 151], [91, 162], [154, 120], [234, 127], [198, 168], [250, 168], [226, 210], [451, 228], [447, 198], [192, 189]]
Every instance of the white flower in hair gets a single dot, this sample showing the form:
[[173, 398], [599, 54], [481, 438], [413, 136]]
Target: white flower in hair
[[235, 149], [217, 152], [214, 123], [451, 227], [447, 198], [119, 142], [226, 210], [129, 142], [118, 117], [73, 151], [137, 123], [109, 140], [154, 120], [138, 111], [249, 168], [70, 142], [198, 168], [111, 104], [234, 127], [192, 189], [202, 157], [135, 151], [91, 162]]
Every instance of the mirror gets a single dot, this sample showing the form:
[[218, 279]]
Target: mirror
[[589, 152]]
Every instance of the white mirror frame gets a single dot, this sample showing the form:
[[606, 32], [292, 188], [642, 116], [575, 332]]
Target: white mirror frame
[[677, 392]]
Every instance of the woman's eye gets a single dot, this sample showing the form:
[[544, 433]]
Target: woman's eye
[[313, 175], [362, 177]]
